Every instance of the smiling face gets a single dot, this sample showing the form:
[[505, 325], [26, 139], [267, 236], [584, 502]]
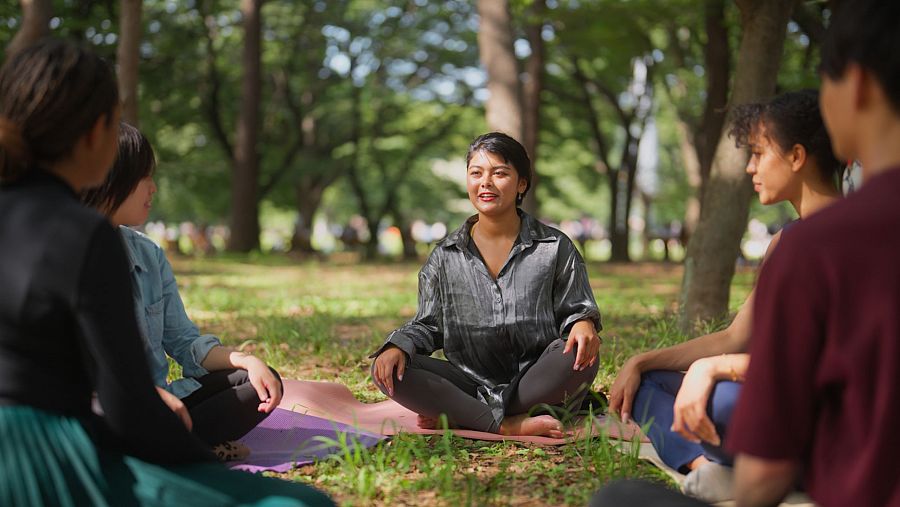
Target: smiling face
[[774, 172], [493, 184], [136, 208]]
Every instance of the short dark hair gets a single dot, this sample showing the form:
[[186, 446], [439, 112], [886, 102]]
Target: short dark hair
[[134, 162], [511, 151], [790, 118], [51, 94], [865, 32]]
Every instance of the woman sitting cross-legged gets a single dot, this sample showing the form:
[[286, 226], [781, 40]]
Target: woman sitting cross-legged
[[688, 413], [224, 393], [507, 299]]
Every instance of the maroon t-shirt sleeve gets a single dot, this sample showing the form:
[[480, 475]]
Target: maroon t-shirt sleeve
[[775, 414]]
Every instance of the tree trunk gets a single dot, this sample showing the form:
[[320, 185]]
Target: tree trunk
[[691, 163], [128, 56], [409, 244], [495, 47], [712, 252], [622, 191], [309, 197], [370, 251], [646, 238], [532, 98], [717, 62], [36, 16], [244, 183]]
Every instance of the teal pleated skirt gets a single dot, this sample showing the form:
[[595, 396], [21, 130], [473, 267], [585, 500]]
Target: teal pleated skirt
[[49, 460]]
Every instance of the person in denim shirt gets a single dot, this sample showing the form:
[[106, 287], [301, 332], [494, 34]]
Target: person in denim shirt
[[224, 392]]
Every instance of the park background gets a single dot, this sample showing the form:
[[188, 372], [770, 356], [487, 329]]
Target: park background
[[311, 153]]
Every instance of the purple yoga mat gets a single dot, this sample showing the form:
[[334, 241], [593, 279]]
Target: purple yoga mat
[[286, 439]]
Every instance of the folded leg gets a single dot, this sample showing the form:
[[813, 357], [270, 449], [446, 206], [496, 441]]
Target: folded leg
[[431, 387]]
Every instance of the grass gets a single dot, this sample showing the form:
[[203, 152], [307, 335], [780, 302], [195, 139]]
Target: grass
[[320, 321]]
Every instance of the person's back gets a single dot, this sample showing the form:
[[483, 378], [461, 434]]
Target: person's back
[[44, 239], [832, 351]]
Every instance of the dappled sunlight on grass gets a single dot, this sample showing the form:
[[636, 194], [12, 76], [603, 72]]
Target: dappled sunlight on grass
[[320, 321]]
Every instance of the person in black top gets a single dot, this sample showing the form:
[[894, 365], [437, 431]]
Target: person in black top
[[67, 324]]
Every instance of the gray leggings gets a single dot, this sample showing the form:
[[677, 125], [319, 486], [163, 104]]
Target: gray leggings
[[432, 387]]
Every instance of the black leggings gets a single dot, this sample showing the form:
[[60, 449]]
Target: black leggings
[[432, 387], [225, 406]]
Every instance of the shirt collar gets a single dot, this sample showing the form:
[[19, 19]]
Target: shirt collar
[[134, 262], [530, 230]]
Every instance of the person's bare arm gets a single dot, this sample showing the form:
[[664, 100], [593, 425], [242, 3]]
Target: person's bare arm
[[761, 482], [731, 340]]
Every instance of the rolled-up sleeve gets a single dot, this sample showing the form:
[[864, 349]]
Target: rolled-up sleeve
[[181, 338], [424, 333], [573, 299]]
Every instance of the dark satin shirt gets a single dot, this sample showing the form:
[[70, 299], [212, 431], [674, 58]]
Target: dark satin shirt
[[67, 324], [493, 330]]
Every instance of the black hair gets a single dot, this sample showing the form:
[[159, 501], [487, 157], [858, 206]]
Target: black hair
[[865, 32], [511, 151], [791, 118], [134, 162], [51, 94]]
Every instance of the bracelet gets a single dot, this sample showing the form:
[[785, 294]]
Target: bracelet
[[731, 370]]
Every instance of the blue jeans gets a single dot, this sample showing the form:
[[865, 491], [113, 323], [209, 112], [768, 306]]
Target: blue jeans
[[654, 406]]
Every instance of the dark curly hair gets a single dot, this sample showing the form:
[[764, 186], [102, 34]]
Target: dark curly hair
[[511, 151], [791, 118]]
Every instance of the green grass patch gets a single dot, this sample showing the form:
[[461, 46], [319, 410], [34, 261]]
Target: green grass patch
[[320, 321]]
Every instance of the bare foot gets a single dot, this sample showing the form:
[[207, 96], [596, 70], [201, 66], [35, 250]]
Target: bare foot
[[542, 425], [427, 423]]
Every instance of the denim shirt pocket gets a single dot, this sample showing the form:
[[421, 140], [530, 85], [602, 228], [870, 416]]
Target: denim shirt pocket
[[155, 314]]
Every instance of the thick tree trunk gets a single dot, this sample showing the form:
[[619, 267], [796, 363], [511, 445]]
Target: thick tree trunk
[[532, 97], [713, 250], [128, 56], [717, 57], [495, 47], [244, 183], [36, 16]]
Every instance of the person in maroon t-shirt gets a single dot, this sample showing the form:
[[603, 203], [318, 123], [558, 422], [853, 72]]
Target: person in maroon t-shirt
[[821, 403]]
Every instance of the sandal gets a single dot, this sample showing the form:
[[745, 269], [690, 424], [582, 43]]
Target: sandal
[[231, 451]]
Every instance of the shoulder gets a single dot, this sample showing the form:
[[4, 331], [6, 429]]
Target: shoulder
[[145, 253], [535, 231], [138, 239]]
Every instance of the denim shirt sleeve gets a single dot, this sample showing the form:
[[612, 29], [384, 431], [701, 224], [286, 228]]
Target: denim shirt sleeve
[[573, 299], [181, 338]]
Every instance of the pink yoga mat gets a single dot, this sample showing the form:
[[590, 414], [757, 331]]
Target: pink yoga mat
[[333, 401]]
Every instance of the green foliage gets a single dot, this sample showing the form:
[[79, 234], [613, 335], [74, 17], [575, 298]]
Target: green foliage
[[412, 65]]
